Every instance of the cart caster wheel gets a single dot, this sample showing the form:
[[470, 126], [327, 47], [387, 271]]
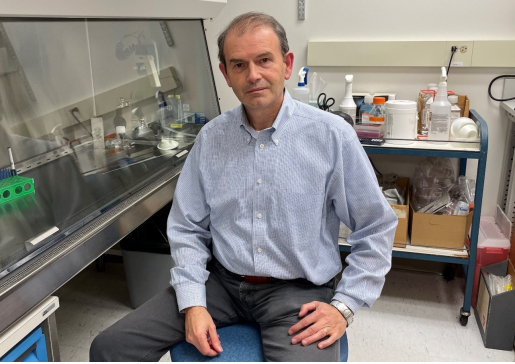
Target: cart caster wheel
[[464, 320]]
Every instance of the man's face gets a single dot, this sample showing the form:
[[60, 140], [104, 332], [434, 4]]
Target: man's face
[[255, 67]]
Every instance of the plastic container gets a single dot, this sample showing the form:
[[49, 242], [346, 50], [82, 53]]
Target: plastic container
[[364, 111], [377, 112], [348, 105], [464, 133], [492, 247], [174, 113], [401, 121], [464, 128], [301, 93], [440, 112], [369, 131], [31, 349], [427, 99]]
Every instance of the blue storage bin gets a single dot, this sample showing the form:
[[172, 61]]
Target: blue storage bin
[[30, 349]]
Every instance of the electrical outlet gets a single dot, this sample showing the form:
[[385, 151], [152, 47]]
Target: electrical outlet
[[302, 9], [463, 55]]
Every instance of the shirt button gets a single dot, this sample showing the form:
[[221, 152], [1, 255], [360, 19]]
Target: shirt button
[[259, 181], [248, 139], [259, 216], [276, 141], [261, 146], [260, 250]]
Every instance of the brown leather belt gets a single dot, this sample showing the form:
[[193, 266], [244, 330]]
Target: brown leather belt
[[256, 280]]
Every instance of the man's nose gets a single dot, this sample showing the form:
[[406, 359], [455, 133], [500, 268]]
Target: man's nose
[[253, 73]]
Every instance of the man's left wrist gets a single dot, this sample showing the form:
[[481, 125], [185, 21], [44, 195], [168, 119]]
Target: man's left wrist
[[344, 310]]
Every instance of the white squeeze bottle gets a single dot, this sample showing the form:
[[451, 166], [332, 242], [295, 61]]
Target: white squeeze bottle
[[301, 93], [348, 105], [440, 112]]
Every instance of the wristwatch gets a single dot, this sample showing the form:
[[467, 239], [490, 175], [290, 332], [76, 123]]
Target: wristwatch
[[344, 310]]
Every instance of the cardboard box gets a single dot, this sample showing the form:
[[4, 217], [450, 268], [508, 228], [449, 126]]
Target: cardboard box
[[402, 212], [445, 231], [495, 315], [464, 104]]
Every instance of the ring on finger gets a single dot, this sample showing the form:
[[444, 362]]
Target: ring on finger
[[325, 331]]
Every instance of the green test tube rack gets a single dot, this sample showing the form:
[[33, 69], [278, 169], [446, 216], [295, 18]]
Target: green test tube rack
[[14, 187]]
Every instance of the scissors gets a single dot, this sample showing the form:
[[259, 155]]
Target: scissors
[[324, 103]]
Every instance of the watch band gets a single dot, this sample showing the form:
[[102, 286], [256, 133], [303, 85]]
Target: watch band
[[344, 310]]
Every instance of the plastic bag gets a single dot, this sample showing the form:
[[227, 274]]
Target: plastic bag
[[464, 190], [391, 191], [498, 284], [433, 178]]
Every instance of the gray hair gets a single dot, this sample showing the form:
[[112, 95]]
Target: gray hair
[[250, 21]]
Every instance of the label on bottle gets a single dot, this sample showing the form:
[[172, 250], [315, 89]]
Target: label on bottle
[[376, 119], [365, 118], [389, 125], [439, 123]]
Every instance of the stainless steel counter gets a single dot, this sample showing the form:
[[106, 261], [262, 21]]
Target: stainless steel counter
[[98, 227], [86, 125]]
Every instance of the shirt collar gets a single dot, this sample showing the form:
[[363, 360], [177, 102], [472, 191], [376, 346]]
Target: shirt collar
[[280, 122]]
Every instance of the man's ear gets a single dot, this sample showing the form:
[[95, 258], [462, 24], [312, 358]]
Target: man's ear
[[288, 60], [222, 69]]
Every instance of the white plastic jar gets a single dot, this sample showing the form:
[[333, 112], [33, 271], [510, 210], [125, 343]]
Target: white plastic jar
[[401, 121]]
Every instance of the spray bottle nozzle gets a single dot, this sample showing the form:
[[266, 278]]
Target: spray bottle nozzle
[[303, 76], [443, 76]]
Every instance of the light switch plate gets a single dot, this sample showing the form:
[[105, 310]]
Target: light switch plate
[[302, 9]]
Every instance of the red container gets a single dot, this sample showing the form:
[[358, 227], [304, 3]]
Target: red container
[[492, 247], [486, 256]]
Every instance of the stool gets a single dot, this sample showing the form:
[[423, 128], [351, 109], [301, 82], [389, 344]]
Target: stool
[[241, 343]]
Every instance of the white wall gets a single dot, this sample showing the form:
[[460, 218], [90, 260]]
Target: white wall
[[357, 20]]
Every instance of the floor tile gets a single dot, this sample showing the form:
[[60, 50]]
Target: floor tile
[[415, 319], [66, 352]]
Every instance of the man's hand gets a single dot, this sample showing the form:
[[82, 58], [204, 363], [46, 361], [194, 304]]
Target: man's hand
[[325, 320], [201, 331]]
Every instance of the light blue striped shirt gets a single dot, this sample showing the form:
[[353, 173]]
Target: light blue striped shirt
[[270, 203]]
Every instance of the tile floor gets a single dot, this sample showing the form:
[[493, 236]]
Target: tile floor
[[416, 319]]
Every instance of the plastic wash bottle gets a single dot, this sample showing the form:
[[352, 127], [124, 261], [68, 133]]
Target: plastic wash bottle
[[348, 105], [440, 112], [301, 93]]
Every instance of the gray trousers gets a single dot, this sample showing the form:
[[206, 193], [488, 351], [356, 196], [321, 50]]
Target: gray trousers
[[148, 332]]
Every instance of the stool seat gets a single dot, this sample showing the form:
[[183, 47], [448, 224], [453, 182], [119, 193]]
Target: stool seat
[[241, 343]]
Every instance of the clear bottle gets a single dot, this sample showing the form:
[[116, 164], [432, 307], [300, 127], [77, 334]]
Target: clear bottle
[[440, 112], [180, 112], [455, 109], [377, 112], [364, 111], [174, 106]]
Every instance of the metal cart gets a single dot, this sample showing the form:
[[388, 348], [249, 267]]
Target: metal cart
[[465, 257]]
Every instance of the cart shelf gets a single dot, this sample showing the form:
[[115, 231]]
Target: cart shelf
[[465, 257], [457, 256]]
